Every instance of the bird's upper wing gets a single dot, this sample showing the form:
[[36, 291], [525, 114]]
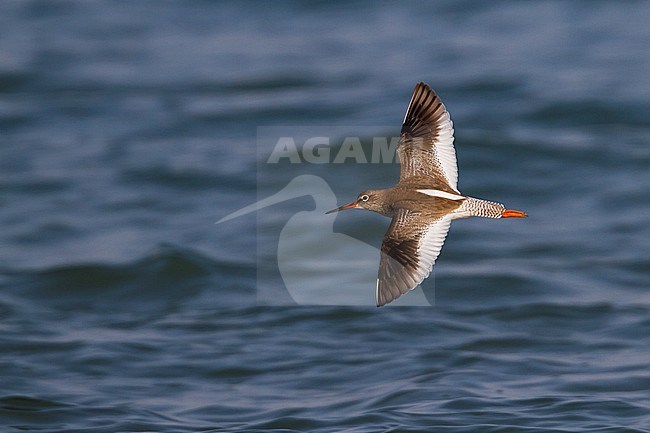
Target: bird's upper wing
[[426, 146], [409, 250]]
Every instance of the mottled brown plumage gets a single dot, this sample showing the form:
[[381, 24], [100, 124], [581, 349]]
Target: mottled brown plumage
[[425, 200]]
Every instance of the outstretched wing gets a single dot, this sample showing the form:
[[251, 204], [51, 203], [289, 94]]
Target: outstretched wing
[[426, 146], [409, 250]]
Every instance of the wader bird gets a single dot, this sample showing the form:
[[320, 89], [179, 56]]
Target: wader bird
[[425, 200]]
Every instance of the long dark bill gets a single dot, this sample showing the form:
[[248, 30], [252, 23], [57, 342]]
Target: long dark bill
[[344, 207]]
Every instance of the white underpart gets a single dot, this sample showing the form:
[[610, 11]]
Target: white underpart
[[377, 291], [445, 152], [442, 194], [431, 244]]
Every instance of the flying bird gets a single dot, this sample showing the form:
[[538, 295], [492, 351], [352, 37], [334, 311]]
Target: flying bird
[[424, 201]]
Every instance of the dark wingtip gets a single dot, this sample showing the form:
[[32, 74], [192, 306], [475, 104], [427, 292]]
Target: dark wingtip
[[425, 107]]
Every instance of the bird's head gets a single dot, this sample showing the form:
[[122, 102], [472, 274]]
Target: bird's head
[[370, 199]]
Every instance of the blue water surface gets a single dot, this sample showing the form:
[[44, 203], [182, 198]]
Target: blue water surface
[[128, 128]]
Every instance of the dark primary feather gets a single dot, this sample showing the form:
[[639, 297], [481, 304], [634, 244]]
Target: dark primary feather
[[426, 119]]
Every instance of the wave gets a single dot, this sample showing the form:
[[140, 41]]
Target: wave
[[166, 276]]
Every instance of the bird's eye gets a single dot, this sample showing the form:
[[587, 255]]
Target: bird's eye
[[364, 197]]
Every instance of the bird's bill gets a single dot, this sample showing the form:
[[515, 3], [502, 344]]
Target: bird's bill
[[510, 213], [344, 207]]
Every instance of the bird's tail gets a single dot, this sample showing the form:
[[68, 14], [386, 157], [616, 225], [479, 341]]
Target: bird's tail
[[476, 207]]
